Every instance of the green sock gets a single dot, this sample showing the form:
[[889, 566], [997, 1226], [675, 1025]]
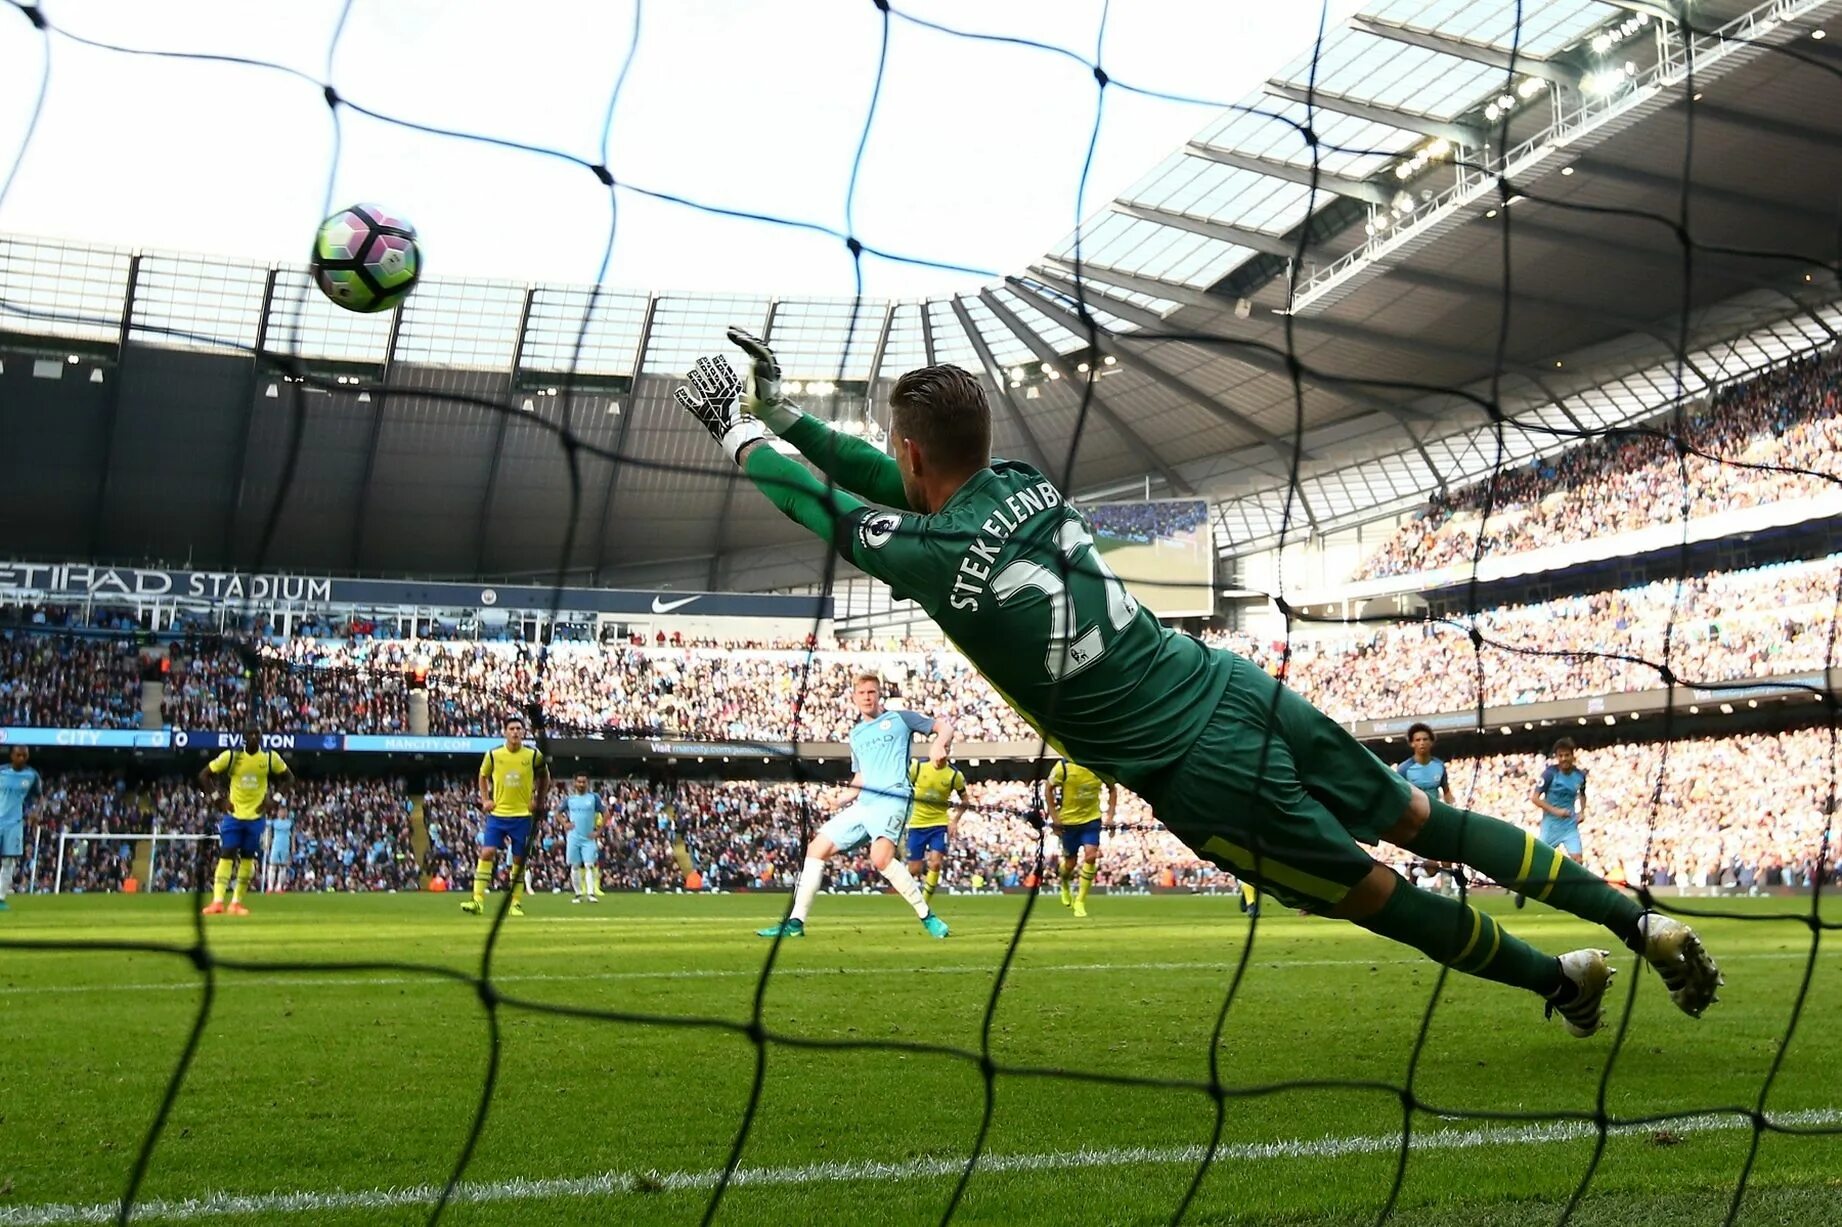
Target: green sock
[[1513, 857], [1463, 938], [930, 884], [482, 878], [1088, 869], [517, 880], [220, 881]]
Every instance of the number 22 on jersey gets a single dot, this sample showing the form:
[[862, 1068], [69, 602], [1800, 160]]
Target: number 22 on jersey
[[1077, 634]]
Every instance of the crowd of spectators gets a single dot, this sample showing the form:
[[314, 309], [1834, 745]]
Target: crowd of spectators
[[69, 680], [1789, 418], [1721, 626], [1707, 815], [349, 834], [1148, 522]]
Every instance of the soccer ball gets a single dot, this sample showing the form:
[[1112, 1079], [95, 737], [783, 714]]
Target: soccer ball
[[366, 259]]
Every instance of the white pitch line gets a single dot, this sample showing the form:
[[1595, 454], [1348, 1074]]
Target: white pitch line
[[624, 1184], [309, 979]]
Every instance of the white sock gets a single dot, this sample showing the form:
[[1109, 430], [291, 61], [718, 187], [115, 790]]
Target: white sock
[[809, 878], [6, 876], [906, 886]]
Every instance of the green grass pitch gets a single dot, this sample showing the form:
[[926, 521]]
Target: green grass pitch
[[336, 1097]]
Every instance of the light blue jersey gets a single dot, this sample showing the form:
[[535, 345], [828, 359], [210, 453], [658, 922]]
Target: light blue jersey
[[281, 839], [18, 790], [1563, 790], [880, 749], [583, 809], [1429, 777]]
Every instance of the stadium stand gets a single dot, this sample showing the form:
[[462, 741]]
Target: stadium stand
[[1715, 830], [1752, 623], [1785, 418]]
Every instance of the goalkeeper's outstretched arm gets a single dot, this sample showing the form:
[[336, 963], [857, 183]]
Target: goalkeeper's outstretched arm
[[852, 463]]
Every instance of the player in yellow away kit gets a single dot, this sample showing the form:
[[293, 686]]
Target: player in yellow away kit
[[930, 825], [1073, 797], [251, 771], [514, 785]]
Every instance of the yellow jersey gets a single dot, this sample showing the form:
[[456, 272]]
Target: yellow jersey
[[249, 779], [514, 779], [934, 789], [1081, 793]]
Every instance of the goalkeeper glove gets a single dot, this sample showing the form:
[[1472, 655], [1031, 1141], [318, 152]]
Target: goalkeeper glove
[[761, 395], [711, 399]]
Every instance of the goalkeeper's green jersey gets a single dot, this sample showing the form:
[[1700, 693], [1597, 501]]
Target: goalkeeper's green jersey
[[1010, 573]]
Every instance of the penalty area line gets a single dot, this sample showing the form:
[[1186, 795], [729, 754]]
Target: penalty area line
[[621, 1184]]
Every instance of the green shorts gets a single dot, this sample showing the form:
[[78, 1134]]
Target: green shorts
[[1279, 793]]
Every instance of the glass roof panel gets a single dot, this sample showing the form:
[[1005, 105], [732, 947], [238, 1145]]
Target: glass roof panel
[[1546, 28], [686, 328], [1006, 346], [1060, 339], [950, 343], [461, 324], [1096, 304], [1228, 194], [1151, 249], [827, 338], [1347, 146], [305, 323], [554, 331], [1358, 65], [907, 349], [1096, 273], [194, 302], [57, 289]]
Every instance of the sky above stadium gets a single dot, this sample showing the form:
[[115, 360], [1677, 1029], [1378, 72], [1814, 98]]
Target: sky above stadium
[[974, 159]]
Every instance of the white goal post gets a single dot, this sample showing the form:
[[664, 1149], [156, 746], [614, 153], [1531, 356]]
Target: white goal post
[[116, 837]]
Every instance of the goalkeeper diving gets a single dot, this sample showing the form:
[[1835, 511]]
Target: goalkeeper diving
[[1242, 769]]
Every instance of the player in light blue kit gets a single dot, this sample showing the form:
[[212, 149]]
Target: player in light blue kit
[[880, 749], [1560, 795], [20, 789], [281, 852], [584, 813]]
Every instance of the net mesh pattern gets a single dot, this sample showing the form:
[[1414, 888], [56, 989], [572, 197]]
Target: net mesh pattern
[[1310, 130]]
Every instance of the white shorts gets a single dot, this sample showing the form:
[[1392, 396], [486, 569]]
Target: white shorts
[[856, 825]]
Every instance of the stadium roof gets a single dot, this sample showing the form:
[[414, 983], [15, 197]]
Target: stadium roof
[[1406, 243]]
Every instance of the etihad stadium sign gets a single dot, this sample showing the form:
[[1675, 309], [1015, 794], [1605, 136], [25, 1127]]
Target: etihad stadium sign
[[83, 582]]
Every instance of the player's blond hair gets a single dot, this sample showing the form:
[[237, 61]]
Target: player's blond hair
[[867, 676]]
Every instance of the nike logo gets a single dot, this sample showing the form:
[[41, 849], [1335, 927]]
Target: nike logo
[[661, 606]]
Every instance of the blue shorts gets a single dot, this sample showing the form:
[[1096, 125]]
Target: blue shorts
[[922, 840], [856, 825], [497, 830], [1562, 833], [582, 849], [278, 852], [1087, 835], [240, 835], [13, 839]]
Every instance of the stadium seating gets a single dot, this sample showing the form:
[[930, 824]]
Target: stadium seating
[[1713, 825], [1786, 419], [1727, 626]]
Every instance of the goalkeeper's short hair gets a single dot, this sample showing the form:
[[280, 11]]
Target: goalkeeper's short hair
[[944, 410]]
